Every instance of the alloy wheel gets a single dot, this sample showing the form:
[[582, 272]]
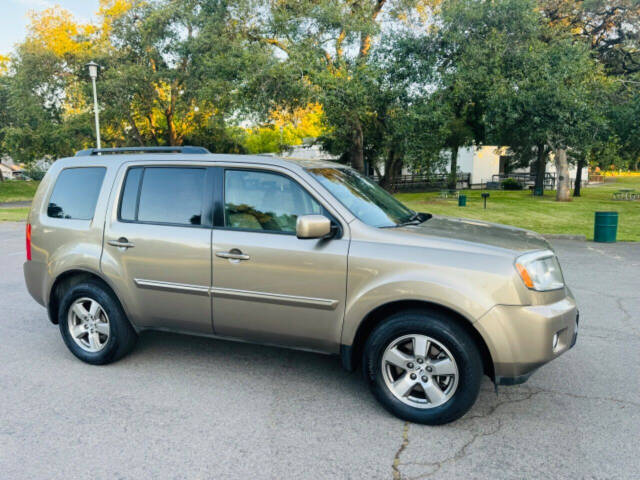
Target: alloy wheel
[[420, 371], [88, 325]]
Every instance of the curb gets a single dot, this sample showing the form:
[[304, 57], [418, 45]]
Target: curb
[[20, 204], [562, 236]]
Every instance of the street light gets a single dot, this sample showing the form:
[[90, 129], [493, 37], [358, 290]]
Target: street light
[[93, 73]]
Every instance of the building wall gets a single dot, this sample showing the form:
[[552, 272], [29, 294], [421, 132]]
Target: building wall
[[480, 162], [7, 173], [484, 162]]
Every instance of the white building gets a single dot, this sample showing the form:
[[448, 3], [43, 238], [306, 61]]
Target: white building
[[308, 151], [485, 162], [10, 171]]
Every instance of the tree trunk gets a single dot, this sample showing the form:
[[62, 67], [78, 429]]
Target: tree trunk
[[357, 148], [169, 112], [392, 167], [389, 172], [578, 184], [541, 168], [452, 183], [136, 130], [562, 173], [152, 129], [171, 128]]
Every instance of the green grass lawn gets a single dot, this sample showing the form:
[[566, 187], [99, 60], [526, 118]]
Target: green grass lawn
[[541, 214], [17, 190], [13, 214], [521, 209]]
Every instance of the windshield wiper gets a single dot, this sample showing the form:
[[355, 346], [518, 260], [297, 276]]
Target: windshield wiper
[[415, 219]]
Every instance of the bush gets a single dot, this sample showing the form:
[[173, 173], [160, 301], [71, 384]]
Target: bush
[[510, 184], [35, 173]]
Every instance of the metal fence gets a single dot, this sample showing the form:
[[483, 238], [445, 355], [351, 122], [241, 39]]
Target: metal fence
[[527, 180], [437, 181]]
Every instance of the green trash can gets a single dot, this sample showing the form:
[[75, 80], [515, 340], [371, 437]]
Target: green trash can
[[605, 227], [462, 200]]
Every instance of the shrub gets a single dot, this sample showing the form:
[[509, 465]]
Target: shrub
[[35, 173], [511, 184]]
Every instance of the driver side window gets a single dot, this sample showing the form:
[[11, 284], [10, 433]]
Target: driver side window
[[264, 201]]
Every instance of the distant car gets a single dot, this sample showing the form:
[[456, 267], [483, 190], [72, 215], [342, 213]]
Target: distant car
[[303, 254]]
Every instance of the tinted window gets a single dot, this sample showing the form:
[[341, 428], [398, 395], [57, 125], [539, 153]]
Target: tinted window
[[172, 195], [76, 193], [265, 201], [130, 194]]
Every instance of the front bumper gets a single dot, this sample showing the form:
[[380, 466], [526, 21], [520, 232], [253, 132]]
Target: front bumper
[[523, 338]]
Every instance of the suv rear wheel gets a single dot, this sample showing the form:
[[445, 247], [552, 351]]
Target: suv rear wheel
[[423, 367], [93, 324]]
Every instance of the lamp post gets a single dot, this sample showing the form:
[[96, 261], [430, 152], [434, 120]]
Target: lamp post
[[93, 73]]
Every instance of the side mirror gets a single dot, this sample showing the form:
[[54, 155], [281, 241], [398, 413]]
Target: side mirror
[[313, 226]]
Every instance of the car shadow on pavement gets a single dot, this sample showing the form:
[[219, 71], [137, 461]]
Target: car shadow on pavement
[[191, 354]]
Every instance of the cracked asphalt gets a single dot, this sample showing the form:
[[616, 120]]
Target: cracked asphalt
[[196, 408]]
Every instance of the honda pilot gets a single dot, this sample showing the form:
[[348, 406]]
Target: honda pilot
[[296, 253]]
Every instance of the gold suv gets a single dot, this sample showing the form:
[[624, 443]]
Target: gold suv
[[303, 254]]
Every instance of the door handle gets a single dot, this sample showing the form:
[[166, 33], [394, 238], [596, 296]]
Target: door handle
[[122, 242], [233, 255]]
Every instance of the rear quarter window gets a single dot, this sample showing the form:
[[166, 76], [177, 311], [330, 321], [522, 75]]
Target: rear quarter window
[[75, 193]]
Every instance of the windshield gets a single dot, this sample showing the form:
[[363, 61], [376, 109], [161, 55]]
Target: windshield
[[364, 198]]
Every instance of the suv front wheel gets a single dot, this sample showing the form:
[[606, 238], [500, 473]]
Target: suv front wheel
[[93, 325], [423, 367]]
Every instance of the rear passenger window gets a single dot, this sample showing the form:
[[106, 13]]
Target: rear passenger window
[[163, 195], [75, 193]]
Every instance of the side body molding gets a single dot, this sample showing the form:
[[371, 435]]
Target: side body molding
[[322, 303]]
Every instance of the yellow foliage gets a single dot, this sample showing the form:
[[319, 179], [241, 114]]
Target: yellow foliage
[[56, 30], [111, 10], [306, 121], [285, 128], [4, 64]]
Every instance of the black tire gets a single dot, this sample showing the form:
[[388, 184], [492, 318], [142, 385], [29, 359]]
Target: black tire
[[122, 336], [442, 329]]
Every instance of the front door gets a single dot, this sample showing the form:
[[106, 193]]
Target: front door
[[268, 285], [157, 246]]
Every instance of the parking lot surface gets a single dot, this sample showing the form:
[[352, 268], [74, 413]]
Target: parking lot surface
[[188, 407]]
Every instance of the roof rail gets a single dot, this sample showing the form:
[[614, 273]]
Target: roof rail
[[178, 149]]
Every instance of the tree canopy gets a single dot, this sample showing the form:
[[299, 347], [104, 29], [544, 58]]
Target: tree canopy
[[380, 83]]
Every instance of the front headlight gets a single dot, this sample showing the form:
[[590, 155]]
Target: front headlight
[[540, 271]]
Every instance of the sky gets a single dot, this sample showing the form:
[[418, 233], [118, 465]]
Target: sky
[[13, 17]]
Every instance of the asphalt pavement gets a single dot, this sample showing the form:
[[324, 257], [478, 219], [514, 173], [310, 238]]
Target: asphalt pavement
[[184, 407]]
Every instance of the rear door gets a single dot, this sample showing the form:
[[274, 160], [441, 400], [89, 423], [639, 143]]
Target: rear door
[[157, 245]]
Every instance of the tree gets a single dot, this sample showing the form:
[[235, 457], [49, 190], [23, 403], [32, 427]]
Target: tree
[[39, 113], [622, 115], [533, 85], [177, 71], [325, 49], [609, 27], [456, 70]]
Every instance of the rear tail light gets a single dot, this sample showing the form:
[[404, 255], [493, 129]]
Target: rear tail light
[[28, 241]]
